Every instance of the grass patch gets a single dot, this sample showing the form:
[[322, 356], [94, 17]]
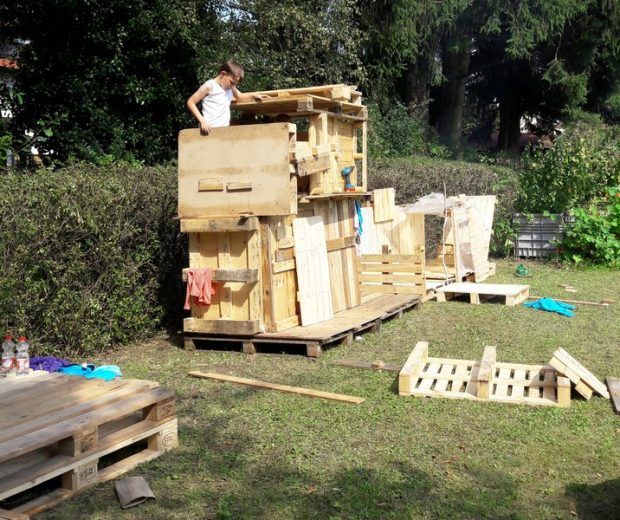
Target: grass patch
[[249, 453]]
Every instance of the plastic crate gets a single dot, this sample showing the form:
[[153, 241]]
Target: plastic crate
[[538, 234]]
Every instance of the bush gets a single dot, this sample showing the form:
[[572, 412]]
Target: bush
[[394, 133], [418, 176], [582, 164], [90, 255], [594, 237]]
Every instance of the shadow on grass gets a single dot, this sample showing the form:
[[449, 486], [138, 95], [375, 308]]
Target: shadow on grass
[[598, 500], [398, 490]]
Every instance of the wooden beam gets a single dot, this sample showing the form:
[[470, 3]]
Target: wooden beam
[[230, 275], [613, 383], [375, 365], [281, 388], [210, 225], [410, 369], [486, 372], [235, 327]]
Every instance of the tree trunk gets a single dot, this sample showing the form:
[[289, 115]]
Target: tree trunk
[[417, 88], [510, 113], [455, 62]]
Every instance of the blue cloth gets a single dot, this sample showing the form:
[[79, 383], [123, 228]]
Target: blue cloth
[[550, 305], [360, 219], [105, 372]]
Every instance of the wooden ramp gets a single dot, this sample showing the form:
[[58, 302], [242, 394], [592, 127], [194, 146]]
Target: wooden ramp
[[375, 309], [513, 294], [484, 380], [65, 426]]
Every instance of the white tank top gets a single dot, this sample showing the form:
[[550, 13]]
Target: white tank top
[[216, 106]]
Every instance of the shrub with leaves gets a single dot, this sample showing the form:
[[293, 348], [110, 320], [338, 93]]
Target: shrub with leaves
[[393, 132], [594, 237], [582, 164], [89, 256]]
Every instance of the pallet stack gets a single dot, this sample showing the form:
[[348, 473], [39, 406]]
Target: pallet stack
[[63, 430]]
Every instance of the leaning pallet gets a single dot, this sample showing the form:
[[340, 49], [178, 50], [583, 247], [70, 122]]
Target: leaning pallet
[[484, 380], [66, 426], [585, 382]]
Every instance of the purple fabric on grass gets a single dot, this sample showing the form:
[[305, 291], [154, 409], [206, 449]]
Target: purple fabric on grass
[[48, 363]]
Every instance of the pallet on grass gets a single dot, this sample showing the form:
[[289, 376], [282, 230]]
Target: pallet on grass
[[585, 382], [513, 294], [66, 426], [484, 380], [369, 316]]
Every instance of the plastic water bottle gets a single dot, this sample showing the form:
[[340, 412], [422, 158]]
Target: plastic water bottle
[[8, 356], [22, 360]]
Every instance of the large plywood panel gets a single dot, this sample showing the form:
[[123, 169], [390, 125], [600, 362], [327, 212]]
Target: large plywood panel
[[236, 170], [315, 299]]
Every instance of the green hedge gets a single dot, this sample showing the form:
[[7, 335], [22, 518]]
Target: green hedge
[[415, 177], [90, 256]]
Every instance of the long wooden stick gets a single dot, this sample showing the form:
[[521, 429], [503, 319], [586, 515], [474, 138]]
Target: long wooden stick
[[281, 388], [578, 302]]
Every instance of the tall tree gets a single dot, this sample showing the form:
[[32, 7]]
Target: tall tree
[[112, 74], [402, 44], [292, 44]]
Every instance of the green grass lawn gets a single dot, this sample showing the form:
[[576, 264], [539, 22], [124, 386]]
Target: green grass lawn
[[249, 453]]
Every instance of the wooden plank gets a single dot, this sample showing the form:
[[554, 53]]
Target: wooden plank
[[412, 367], [484, 288], [267, 289], [613, 384], [590, 379], [231, 275], [391, 278], [417, 259], [383, 204], [312, 165], [219, 225], [486, 373], [315, 299], [232, 327], [391, 289], [283, 266], [563, 391], [240, 155], [281, 388], [375, 365], [389, 268]]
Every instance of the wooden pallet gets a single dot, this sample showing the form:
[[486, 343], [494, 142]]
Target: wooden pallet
[[65, 426], [585, 382], [513, 294], [369, 316], [485, 380]]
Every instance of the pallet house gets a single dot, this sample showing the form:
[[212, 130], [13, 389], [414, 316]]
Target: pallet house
[[276, 206]]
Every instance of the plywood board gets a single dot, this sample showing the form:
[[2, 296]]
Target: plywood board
[[383, 203], [236, 170], [315, 299]]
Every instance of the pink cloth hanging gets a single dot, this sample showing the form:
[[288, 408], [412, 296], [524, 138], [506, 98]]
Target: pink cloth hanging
[[199, 286]]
